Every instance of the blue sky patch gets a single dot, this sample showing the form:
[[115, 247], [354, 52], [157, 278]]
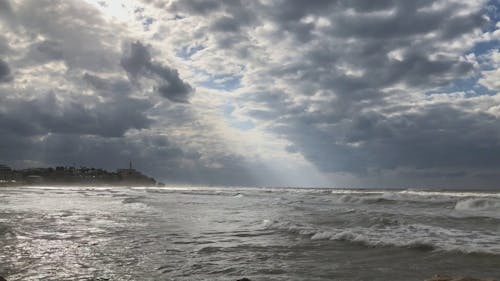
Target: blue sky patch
[[187, 51], [243, 125], [226, 82]]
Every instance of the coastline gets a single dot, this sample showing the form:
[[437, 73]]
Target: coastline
[[73, 176]]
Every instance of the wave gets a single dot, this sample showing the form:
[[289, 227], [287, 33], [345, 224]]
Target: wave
[[136, 203], [5, 230], [130, 200], [413, 236], [353, 191], [350, 199], [195, 191], [475, 204], [459, 194], [360, 237], [386, 198], [68, 188], [346, 196], [464, 200]]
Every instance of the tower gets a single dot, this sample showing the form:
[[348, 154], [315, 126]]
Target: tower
[[130, 165]]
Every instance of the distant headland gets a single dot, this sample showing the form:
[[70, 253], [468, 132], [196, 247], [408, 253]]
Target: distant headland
[[62, 175]]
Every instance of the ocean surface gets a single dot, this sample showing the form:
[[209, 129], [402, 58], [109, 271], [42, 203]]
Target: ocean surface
[[68, 233]]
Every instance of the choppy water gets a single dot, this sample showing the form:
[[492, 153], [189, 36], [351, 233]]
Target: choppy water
[[259, 233]]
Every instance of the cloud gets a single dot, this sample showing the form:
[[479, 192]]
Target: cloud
[[137, 62], [200, 7], [5, 75], [371, 92], [5, 9], [346, 82], [73, 32], [136, 59], [73, 104], [489, 77], [59, 113], [50, 49]]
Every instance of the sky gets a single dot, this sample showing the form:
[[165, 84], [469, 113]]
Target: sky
[[330, 93]]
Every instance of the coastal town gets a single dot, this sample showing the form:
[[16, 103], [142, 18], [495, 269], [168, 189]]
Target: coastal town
[[62, 175]]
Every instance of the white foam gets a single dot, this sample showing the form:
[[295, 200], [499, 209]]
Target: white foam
[[351, 199], [364, 197], [481, 204], [351, 191], [451, 193], [68, 188], [138, 206], [45, 187], [406, 236]]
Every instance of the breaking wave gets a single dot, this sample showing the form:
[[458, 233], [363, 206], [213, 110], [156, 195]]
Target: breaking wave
[[478, 204], [351, 199], [413, 236], [463, 200]]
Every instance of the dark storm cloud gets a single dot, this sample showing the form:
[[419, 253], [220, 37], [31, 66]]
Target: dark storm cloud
[[117, 88], [226, 24], [46, 131], [48, 113], [70, 30], [439, 136], [342, 82], [4, 72], [4, 46], [5, 8], [51, 49], [415, 70], [171, 85], [72, 105], [71, 33], [154, 154], [230, 16], [137, 62], [402, 19], [358, 127], [197, 6], [136, 59]]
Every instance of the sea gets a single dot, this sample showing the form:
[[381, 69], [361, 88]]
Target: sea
[[215, 233]]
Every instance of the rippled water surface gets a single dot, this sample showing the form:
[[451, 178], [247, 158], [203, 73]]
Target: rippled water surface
[[260, 233]]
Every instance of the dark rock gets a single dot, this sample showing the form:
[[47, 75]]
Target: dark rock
[[242, 279], [2, 279]]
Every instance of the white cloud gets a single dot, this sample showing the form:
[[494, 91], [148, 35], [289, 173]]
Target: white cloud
[[343, 83], [491, 77]]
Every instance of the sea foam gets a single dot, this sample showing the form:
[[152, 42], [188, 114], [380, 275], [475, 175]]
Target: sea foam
[[479, 204], [414, 236]]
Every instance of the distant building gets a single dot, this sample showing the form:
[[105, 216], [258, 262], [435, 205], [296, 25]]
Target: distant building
[[74, 176], [6, 173], [130, 172], [131, 176], [34, 179]]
